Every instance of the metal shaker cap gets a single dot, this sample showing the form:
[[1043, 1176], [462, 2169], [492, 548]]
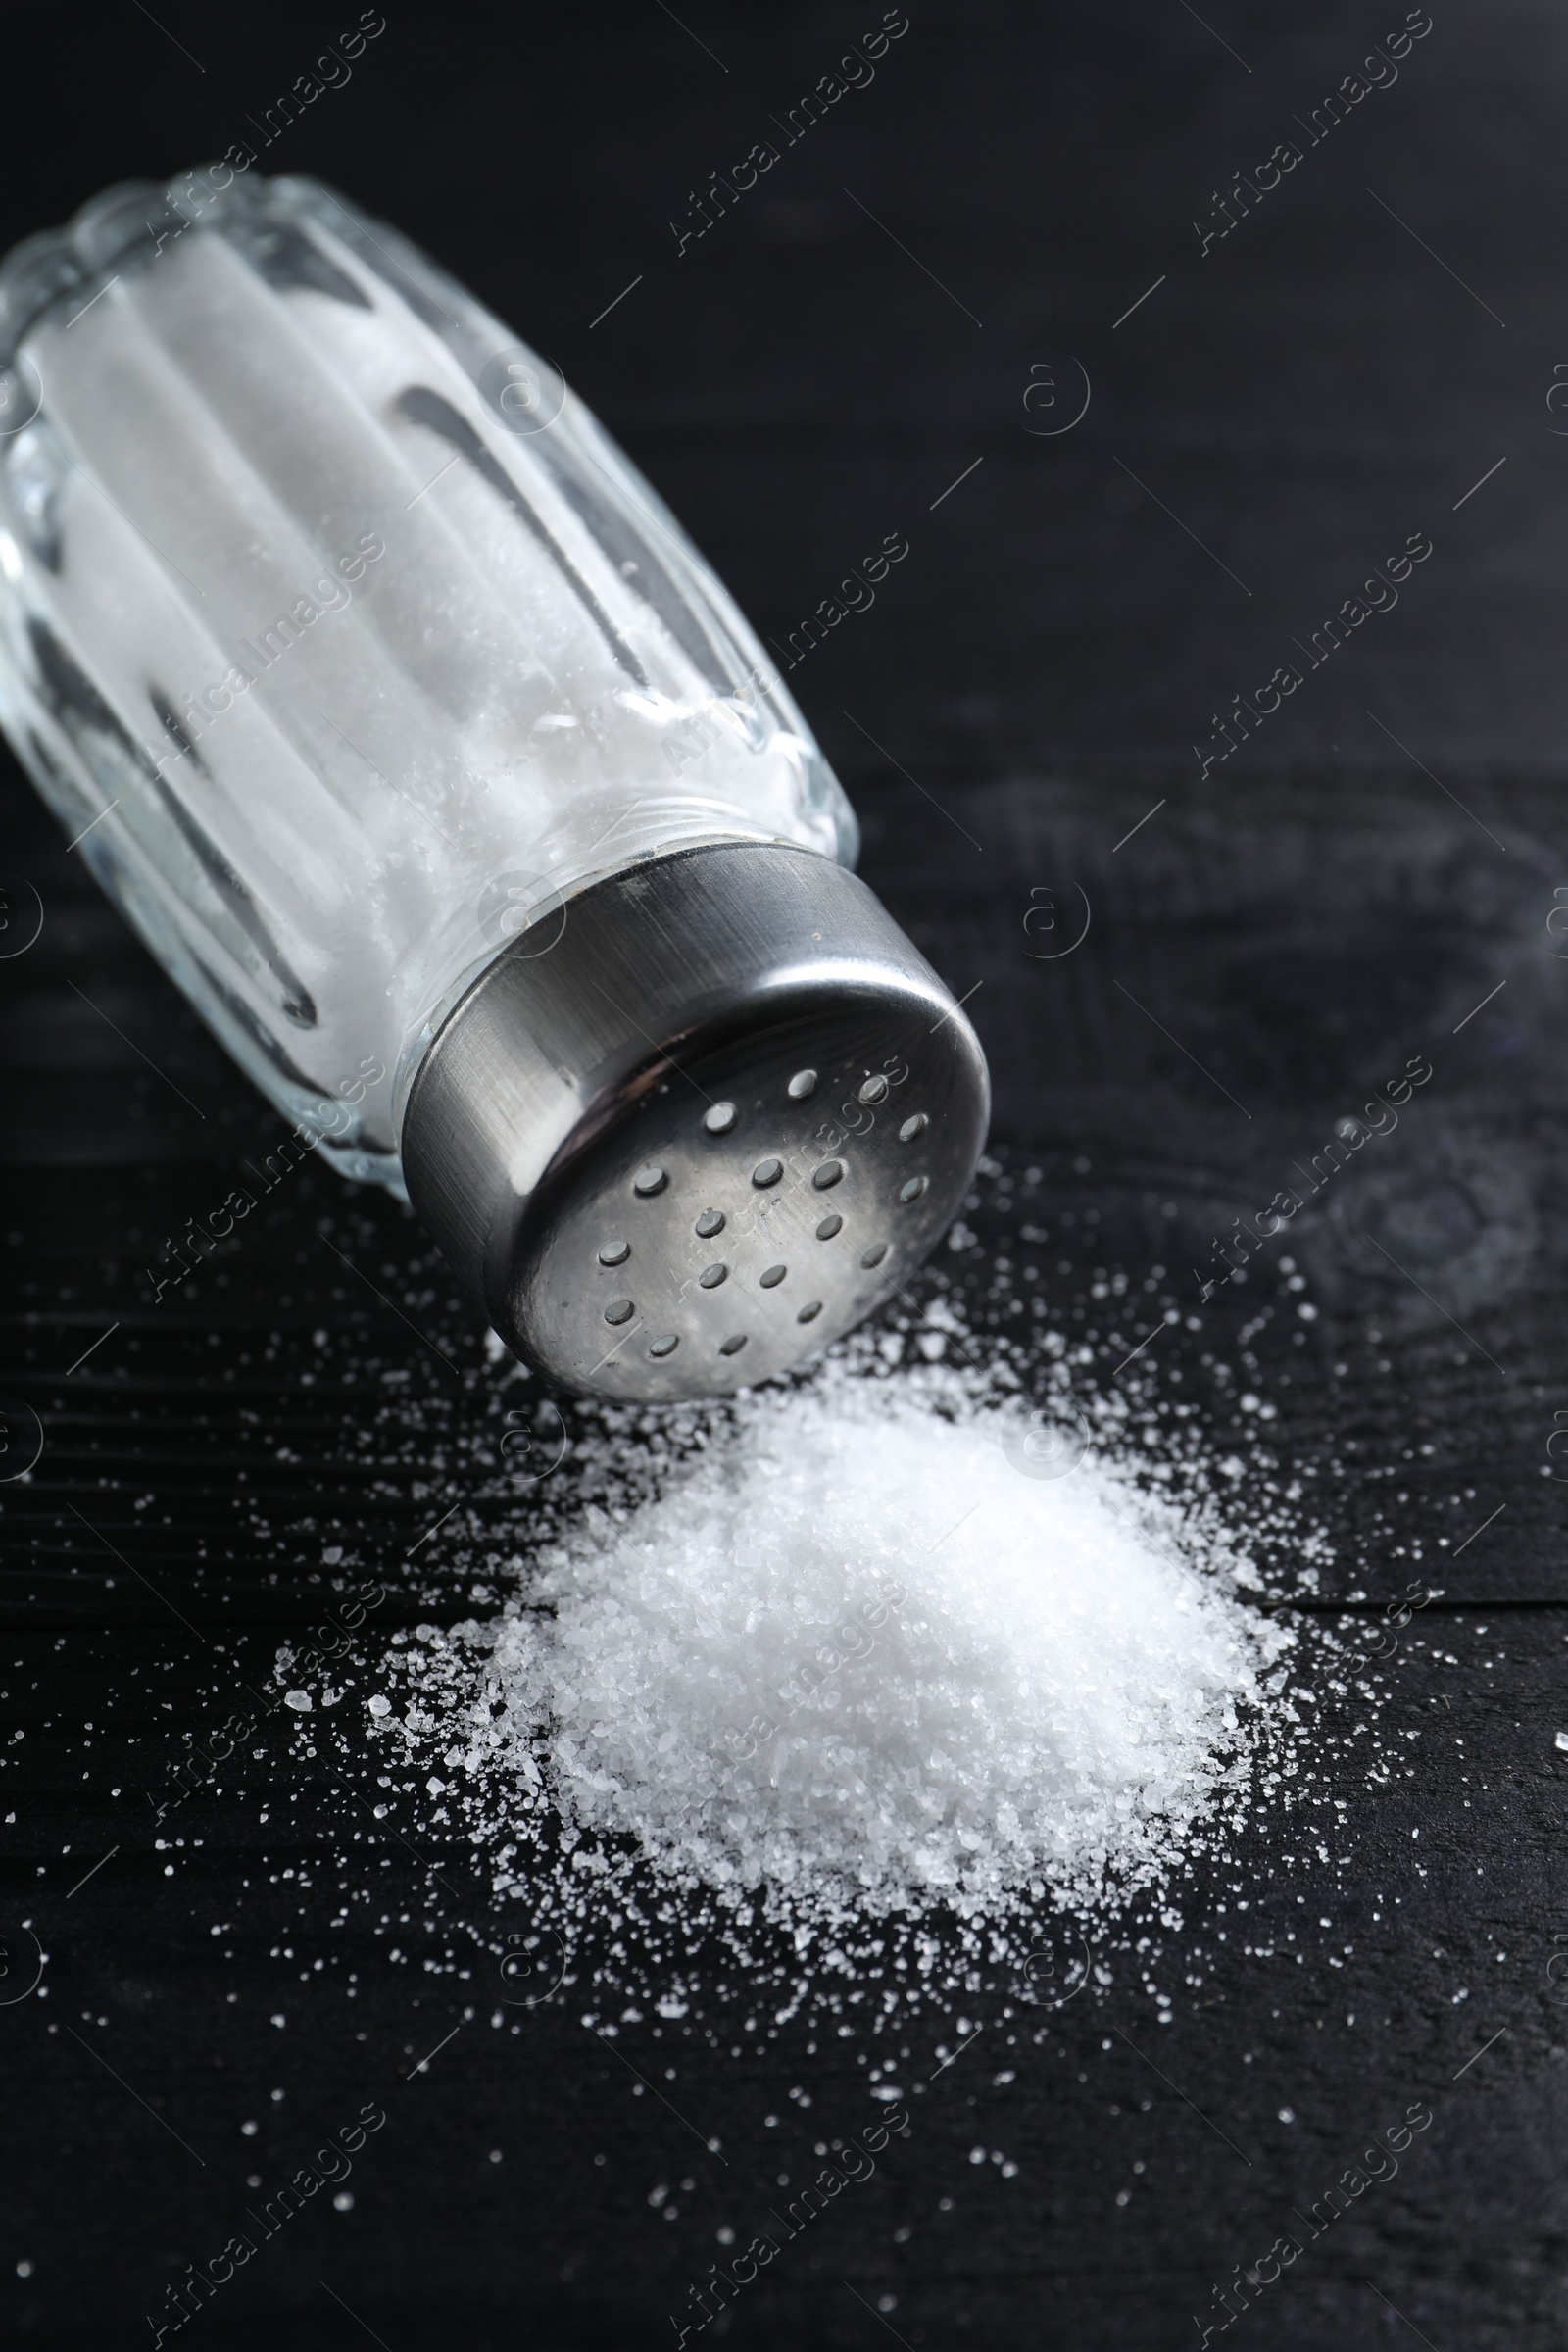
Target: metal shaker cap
[[696, 1123]]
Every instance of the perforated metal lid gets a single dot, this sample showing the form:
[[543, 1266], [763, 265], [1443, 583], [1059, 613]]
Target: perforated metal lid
[[706, 1131]]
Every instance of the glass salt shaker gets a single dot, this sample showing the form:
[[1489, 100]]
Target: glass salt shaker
[[402, 722]]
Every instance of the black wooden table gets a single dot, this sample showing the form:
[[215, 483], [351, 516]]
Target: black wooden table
[[895, 331]]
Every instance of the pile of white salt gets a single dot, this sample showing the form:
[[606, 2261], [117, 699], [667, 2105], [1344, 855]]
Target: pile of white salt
[[845, 1657]]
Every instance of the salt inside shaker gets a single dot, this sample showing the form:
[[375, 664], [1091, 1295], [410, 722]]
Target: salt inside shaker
[[400, 718]]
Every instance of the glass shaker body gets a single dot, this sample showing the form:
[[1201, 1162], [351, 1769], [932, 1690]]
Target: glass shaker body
[[341, 638]]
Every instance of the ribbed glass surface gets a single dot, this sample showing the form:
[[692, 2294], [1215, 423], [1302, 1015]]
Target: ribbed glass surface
[[351, 638]]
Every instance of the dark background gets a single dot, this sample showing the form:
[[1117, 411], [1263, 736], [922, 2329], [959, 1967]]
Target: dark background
[[1337, 898]]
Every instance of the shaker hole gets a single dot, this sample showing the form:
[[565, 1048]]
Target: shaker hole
[[913, 1189], [772, 1277], [914, 1127], [766, 1172], [734, 1344], [719, 1118], [649, 1179], [710, 1222], [809, 1312], [875, 1254], [613, 1253], [666, 1345], [803, 1083], [828, 1174], [828, 1228], [875, 1090], [620, 1310], [711, 1276]]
